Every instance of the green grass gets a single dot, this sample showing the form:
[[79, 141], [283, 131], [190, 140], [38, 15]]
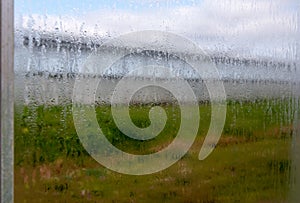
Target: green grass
[[251, 163]]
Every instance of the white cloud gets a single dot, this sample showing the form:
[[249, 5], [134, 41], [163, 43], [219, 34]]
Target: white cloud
[[249, 26]]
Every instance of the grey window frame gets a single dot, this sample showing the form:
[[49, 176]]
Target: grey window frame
[[7, 100]]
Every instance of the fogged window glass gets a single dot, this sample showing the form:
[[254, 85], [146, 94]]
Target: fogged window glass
[[165, 101]]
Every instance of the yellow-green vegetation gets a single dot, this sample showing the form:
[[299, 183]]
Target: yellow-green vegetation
[[251, 163]]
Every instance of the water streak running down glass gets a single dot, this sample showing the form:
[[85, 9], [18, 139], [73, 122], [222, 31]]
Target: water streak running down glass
[[83, 55]]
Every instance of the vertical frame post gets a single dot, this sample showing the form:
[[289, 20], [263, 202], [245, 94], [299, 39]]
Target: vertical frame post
[[7, 100]]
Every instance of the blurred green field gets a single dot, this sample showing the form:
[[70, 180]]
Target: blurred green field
[[251, 163]]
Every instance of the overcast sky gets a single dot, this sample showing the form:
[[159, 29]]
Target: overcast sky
[[245, 27]]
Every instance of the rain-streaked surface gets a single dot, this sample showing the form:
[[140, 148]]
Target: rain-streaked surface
[[255, 48]]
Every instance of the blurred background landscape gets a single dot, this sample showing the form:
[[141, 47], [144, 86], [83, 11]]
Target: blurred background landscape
[[255, 48]]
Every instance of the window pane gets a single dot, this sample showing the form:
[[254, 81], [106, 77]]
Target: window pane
[[179, 101]]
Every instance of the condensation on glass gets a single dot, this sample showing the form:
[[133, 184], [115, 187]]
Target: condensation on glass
[[295, 177], [253, 44]]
